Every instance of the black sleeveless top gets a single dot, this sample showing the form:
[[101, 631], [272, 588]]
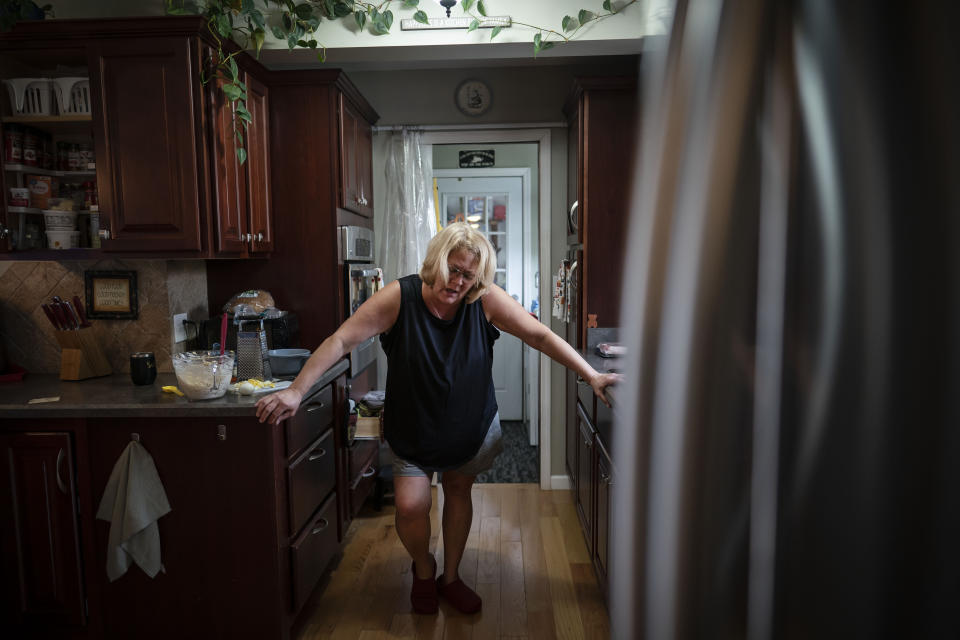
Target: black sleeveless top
[[440, 398]]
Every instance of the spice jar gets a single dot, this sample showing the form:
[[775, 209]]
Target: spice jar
[[31, 142], [73, 158], [13, 144], [86, 155], [90, 194]]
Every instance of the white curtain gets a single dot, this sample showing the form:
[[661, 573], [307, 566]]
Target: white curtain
[[409, 220]]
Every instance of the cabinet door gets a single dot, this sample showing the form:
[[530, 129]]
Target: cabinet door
[[41, 531], [229, 176], [365, 167], [574, 177], [601, 547], [572, 427], [145, 131], [349, 182], [585, 480], [258, 166]]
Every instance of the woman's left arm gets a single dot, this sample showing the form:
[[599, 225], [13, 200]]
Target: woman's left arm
[[509, 315]]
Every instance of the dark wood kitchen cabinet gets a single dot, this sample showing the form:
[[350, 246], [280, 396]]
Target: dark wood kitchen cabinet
[[356, 160], [166, 171], [603, 120], [585, 475], [42, 576]]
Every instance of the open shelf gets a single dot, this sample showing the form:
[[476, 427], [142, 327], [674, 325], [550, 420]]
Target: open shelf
[[25, 168]]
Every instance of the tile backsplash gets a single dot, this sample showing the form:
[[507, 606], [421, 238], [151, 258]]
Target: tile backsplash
[[163, 289]]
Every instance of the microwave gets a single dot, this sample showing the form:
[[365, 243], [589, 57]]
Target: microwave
[[355, 244]]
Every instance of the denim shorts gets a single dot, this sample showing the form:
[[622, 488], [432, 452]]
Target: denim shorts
[[482, 461]]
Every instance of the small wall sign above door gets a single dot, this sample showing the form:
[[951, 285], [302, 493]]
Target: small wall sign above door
[[476, 158]]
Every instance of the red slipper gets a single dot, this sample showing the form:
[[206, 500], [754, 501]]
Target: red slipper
[[423, 593], [463, 598]]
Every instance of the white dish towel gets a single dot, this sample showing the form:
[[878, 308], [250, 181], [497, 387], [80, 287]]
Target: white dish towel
[[132, 503]]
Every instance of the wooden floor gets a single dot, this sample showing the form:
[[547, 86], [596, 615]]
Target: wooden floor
[[525, 556]]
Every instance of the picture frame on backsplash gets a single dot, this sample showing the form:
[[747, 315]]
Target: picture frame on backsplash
[[111, 294]]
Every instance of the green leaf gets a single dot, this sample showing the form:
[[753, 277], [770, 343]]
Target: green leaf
[[495, 31], [287, 21], [247, 6], [291, 41], [466, 4], [410, 4], [565, 23], [361, 19], [303, 43], [584, 16], [547, 45], [421, 17], [257, 18], [258, 36], [241, 155], [232, 91], [223, 25], [473, 25], [278, 33], [378, 28], [303, 11], [342, 9], [481, 8], [322, 54], [388, 19], [329, 10], [232, 66], [606, 5], [243, 114], [374, 14]]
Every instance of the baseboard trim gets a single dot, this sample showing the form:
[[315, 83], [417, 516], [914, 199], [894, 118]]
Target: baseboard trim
[[561, 482]]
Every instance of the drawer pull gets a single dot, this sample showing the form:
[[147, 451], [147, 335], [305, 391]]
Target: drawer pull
[[605, 478], [587, 443], [322, 524], [60, 484], [315, 407], [371, 470], [319, 453]]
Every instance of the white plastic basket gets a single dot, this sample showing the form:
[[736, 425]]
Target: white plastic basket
[[73, 95], [30, 96]]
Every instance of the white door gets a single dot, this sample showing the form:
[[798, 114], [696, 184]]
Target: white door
[[495, 207]]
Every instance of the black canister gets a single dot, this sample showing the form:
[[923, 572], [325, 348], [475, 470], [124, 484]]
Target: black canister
[[143, 368]]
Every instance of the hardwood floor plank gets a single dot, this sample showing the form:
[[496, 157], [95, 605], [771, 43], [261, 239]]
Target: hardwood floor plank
[[573, 539], [593, 611], [509, 514], [488, 565], [430, 627], [566, 611], [487, 623], [513, 601], [403, 626], [491, 501], [540, 625]]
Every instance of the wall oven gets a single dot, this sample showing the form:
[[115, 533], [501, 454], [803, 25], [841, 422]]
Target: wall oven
[[362, 280]]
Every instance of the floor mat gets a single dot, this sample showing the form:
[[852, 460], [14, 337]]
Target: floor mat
[[518, 461]]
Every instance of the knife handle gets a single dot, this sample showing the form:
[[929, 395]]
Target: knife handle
[[71, 315], [61, 315], [50, 316], [78, 307]]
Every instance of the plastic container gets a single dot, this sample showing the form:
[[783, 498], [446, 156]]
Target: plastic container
[[30, 96], [60, 220], [203, 375], [73, 95], [62, 238], [287, 362]]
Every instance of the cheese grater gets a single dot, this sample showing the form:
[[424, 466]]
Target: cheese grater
[[252, 360]]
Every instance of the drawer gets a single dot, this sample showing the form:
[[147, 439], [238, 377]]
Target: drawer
[[310, 478], [359, 453], [312, 550], [311, 420], [587, 398], [362, 485]]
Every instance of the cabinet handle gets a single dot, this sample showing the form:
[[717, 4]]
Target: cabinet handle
[[3, 231], [315, 407], [573, 215], [605, 478], [60, 484], [316, 456], [246, 237], [369, 472], [587, 443], [322, 524], [259, 237]]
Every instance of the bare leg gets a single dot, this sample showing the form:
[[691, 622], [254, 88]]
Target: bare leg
[[457, 516], [412, 497]]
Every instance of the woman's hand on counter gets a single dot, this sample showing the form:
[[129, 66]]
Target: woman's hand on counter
[[601, 381], [279, 406]]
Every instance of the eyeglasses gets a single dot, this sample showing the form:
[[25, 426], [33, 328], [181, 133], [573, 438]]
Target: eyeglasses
[[456, 271]]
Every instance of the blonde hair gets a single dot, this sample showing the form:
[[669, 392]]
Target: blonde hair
[[452, 238]]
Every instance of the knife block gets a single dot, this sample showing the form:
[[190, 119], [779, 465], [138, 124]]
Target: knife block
[[81, 356]]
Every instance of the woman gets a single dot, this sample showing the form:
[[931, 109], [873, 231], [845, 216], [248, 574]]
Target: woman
[[440, 412]]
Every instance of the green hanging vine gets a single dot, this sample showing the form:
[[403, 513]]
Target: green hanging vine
[[246, 22]]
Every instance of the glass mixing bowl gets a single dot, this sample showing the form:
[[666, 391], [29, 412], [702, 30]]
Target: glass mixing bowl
[[203, 375]]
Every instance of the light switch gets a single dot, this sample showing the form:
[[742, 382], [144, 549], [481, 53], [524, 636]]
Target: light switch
[[179, 331]]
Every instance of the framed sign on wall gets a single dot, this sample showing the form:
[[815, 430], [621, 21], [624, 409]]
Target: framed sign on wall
[[111, 294]]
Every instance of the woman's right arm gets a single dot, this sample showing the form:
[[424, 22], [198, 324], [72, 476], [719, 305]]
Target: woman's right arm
[[374, 316]]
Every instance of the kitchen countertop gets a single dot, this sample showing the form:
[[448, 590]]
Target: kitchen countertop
[[116, 396]]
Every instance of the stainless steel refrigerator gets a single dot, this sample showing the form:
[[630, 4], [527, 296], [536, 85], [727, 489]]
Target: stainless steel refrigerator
[[788, 440]]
